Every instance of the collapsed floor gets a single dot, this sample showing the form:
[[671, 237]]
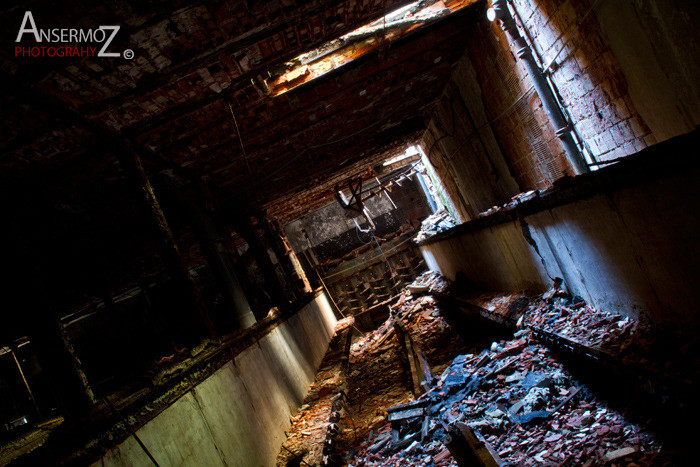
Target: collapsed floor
[[519, 380]]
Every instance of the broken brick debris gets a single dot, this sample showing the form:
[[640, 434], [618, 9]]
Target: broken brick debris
[[519, 402], [568, 321], [515, 396], [433, 224], [315, 425], [514, 201], [533, 413]]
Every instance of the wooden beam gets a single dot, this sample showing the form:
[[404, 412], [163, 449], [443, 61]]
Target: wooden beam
[[470, 450], [408, 358]]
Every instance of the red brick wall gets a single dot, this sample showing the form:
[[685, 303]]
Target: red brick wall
[[586, 76], [521, 125]]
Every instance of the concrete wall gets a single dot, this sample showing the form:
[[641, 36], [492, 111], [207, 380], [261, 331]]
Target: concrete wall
[[461, 147], [328, 222], [237, 416], [657, 44], [332, 233], [631, 249]]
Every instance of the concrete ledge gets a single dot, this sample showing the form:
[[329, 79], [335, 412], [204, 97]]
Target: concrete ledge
[[623, 238], [238, 414], [661, 160]]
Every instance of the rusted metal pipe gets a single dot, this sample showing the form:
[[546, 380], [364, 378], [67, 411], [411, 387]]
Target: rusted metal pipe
[[500, 11]]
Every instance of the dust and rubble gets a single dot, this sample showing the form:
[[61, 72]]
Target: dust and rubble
[[433, 224], [513, 402], [310, 426], [514, 201], [379, 373], [523, 404], [559, 317], [442, 220]]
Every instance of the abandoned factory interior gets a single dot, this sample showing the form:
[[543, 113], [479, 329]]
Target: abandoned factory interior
[[350, 233]]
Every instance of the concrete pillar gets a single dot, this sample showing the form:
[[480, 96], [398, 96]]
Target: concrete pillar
[[295, 277], [426, 192], [50, 343], [131, 164], [259, 250], [216, 253]]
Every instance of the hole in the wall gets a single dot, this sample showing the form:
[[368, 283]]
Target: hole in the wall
[[347, 48]]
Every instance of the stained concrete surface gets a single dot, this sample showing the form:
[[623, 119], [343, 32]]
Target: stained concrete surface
[[237, 416], [656, 44], [630, 250]]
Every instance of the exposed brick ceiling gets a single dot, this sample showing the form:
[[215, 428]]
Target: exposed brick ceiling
[[194, 59]]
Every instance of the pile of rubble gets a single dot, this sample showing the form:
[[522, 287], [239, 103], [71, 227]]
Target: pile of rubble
[[376, 380], [519, 401], [559, 312], [514, 201], [308, 433], [422, 318], [429, 281], [631, 341], [512, 402], [513, 399], [574, 319], [378, 377], [433, 224]]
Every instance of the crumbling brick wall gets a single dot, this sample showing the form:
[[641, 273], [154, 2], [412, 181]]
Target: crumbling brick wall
[[585, 74], [586, 77]]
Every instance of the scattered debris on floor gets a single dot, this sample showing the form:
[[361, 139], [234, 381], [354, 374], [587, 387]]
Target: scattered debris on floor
[[511, 403], [309, 429], [433, 224], [378, 374], [429, 281], [519, 400], [628, 341]]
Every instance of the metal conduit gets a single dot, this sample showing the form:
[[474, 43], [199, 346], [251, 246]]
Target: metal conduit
[[501, 12]]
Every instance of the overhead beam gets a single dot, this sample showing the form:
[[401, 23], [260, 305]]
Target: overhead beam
[[155, 81], [180, 110], [72, 116], [281, 123]]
